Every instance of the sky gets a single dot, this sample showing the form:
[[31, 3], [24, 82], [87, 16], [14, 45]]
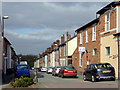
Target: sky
[[33, 26]]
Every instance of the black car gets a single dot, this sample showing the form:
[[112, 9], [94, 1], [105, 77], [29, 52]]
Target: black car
[[99, 71]]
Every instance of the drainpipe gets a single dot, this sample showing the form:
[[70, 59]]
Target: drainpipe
[[118, 39]]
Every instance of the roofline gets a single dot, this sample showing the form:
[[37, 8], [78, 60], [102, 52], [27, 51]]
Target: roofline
[[88, 24], [108, 7], [7, 40]]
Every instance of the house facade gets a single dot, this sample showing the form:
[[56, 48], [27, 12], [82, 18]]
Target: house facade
[[95, 40], [110, 21]]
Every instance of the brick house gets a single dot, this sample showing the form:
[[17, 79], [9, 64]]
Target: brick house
[[95, 39], [109, 17], [62, 51], [91, 42]]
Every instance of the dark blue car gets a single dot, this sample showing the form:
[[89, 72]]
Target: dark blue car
[[22, 70], [99, 71]]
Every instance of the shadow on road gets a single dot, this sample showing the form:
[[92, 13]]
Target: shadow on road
[[39, 75]]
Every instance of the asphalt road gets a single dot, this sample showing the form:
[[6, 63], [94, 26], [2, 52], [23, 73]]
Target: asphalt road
[[49, 81]]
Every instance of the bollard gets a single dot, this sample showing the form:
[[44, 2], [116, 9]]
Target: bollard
[[36, 79]]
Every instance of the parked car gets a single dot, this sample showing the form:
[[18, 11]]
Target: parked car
[[32, 68], [43, 69], [49, 70], [56, 70], [67, 71], [40, 69], [22, 70], [99, 71]]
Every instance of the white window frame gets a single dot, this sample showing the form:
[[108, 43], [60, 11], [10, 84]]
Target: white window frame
[[94, 33], [107, 22], [106, 51], [60, 51], [80, 61], [64, 50], [81, 37], [94, 51], [86, 35]]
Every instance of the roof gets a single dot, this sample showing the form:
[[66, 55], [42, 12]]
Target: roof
[[7, 40], [108, 7], [89, 24]]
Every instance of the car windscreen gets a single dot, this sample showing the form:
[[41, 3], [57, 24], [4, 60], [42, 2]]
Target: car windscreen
[[104, 66], [68, 67], [22, 67]]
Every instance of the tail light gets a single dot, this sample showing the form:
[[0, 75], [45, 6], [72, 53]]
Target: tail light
[[29, 70], [56, 69]]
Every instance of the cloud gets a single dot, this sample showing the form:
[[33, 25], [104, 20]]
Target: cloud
[[32, 27]]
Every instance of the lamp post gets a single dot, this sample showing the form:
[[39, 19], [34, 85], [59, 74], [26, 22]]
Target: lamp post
[[3, 18]]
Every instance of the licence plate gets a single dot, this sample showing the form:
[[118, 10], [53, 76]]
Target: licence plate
[[70, 71], [22, 73], [107, 71]]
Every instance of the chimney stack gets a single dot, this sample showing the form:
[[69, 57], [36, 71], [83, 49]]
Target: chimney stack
[[62, 38]]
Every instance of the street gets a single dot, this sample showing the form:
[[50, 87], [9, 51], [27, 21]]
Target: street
[[48, 81]]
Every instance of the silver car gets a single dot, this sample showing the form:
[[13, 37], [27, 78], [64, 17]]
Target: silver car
[[56, 70]]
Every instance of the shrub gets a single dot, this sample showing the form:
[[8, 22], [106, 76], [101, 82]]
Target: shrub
[[22, 82]]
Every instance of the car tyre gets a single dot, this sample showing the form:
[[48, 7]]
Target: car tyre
[[84, 77], [93, 79], [62, 76], [113, 79]]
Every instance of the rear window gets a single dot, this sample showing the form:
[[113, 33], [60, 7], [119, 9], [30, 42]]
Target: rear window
[[22, 67], [104, 66], [69, 67], [58, 67]]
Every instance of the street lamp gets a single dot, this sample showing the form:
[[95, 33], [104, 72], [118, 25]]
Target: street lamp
[[3, 18]]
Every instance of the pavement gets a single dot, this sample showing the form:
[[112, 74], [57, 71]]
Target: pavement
[[49, 81]]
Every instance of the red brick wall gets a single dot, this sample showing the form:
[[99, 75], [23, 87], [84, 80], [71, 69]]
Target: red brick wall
[[100, 27]]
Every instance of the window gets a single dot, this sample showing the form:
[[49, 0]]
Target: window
[[94, 33], [60, 51], [86, 35], [81, 37], [107, 21], [64, 50], [107, 50], [81, 54], [94, 51]]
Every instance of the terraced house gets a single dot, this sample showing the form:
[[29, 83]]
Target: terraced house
[[95, 40]]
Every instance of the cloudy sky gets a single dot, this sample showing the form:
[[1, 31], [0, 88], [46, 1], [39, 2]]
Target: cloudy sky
[[34, 26]]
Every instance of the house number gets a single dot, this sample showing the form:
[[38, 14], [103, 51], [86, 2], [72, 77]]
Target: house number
[[113, 56]]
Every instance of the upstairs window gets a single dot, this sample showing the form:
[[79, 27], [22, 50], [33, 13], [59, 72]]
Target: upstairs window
[[87, 35], [94, 33], [64, 50], [81, 37], [60, 51], [107, 21]]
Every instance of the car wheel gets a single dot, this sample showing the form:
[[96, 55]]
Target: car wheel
[[58, 75], [62, 76], [84, 77], [93, 79], [52, 74], [113, 79]]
